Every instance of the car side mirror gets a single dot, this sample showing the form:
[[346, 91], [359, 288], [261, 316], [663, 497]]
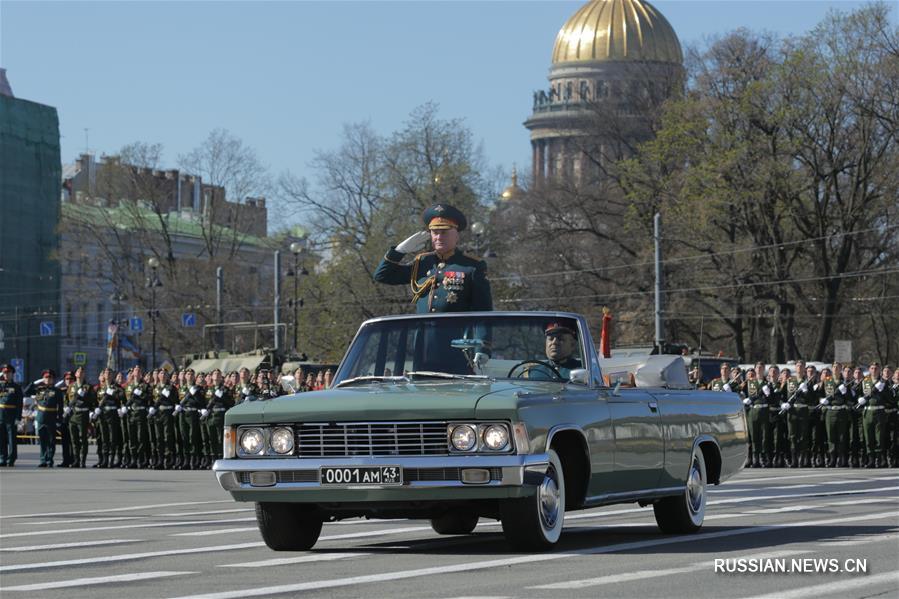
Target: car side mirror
[[579, 375]]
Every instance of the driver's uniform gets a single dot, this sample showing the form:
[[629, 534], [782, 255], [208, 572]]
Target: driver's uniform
[[539, 372]]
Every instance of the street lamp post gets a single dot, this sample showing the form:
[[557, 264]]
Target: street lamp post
[[477, 229], [296, 249], [117, 298], [153, 282]]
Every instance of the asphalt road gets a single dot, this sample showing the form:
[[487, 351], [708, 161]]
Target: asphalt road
[[132, 533]]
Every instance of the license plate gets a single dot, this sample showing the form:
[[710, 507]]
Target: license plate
[[362, 475]]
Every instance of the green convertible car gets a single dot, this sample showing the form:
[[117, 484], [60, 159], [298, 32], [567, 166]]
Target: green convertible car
[[455, 417]]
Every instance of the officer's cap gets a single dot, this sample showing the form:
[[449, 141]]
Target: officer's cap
[[8, 367], [444, 216], [559, 327]]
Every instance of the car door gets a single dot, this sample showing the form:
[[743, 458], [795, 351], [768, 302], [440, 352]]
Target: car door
[[639, 454]]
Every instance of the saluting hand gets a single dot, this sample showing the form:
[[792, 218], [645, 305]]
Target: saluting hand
[[414, 242]]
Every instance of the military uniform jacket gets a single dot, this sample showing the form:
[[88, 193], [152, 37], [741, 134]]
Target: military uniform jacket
[[138, 397], [165, 403], [797, 397], [754, 393], [247, 391], [874, 397], [110, 399], [270, 391], [10, 402], [218, 400], [193, 399], [48, 403], [454, 284], [718, 385], [80, 397]]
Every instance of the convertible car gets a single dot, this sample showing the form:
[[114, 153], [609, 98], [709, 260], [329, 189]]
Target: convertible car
[[455, 417]]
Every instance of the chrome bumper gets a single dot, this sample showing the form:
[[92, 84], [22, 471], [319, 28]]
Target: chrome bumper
[[517, 471]]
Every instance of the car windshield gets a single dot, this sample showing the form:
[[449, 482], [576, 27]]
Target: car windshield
[[542, 347]]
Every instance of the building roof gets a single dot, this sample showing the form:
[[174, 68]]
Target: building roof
[[617, 30]]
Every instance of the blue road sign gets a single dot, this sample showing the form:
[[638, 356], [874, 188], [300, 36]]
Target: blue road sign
[[136, 324], [188, 319], [47, 327], [19, 364]]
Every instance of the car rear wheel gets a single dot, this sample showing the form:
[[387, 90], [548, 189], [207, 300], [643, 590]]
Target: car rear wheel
[[288, 526], [686, 512], [535, 523], [454, 522]]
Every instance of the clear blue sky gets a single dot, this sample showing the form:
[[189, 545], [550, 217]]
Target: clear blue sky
[[284, 76]]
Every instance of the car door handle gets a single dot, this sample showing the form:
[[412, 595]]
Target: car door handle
[[653, 406]]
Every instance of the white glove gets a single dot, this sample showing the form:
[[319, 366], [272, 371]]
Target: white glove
[[816, 386], [121, 411], [96, 411], [727, 386], [803, 387], [862, 401], [785, 406], [766, 390], [414, 242], [193, 390], [218, 393], [177, 407], [480, 360], [879, 385], [138, 392], [109, 390], [245, 390], [151, 411], [204, 412], [80, 392], [842, 389], [166, 392], [67, 410], [823, 401], [92, 416], [747, 401]]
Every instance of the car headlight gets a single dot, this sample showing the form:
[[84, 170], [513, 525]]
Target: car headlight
[[252, 441], [464, 438], [496, 437], [282, 440]]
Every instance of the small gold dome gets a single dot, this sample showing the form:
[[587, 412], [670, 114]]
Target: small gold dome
[[513, 191], [617, 30]]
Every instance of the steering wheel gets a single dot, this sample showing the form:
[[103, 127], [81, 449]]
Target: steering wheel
[[541, 362]]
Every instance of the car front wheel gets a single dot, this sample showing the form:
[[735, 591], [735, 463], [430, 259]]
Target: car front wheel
[[535, 523], [288, 526], [454, 522], [686, 512]]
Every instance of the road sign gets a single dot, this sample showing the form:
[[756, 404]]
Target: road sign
[[47, 328], [79, 358], [2, 336], [842, 351], [19, 364], [188, 319], [136, 324]]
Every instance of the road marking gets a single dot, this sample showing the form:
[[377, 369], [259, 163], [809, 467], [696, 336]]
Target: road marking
[[812, 494], [194, 514], [469, 566], [45, 522], [70, 545], [643, 574], [121, 509], [209, 533], [833, 587], [284, 561], [127, 557], [82, 582], [817, 484], [863, 540], [349, 535], [35, 533]]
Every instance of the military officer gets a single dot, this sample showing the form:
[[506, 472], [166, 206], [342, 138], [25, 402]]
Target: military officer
[[10, 415], [219, 400], [138, 397], [444, 279], [561, 348], [835, 402], [876, 398], [109, 399], [80, 404], [193, 399], [48, 402], [167, 397]]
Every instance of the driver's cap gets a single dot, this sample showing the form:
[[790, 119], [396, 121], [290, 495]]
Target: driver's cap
[[558, 327]]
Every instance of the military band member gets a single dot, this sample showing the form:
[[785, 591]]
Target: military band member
[[876, 398], [80, 404], [10, 415], [110, 398], [48, 403]]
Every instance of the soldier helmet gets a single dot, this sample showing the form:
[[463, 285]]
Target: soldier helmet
[[444, 216]]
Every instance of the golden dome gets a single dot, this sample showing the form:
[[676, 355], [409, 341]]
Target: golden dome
[[513, 191], [617, 30]]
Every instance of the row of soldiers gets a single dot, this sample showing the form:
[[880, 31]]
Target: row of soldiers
[[140, 420], [838, 417]]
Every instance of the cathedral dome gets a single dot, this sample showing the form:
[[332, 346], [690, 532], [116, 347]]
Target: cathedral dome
[[513, 191], [617, 30]]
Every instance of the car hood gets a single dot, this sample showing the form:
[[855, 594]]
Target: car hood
[[419, 400]]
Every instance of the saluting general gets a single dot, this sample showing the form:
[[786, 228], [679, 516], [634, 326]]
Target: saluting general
[[444, 279]]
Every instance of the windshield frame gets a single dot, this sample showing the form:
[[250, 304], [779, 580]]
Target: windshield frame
[[591, 362]]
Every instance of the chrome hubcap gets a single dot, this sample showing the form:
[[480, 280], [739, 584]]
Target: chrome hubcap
[[550, 499], [695, 489]]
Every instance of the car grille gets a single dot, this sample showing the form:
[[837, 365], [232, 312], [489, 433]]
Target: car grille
[[371, 439], [409, 475]]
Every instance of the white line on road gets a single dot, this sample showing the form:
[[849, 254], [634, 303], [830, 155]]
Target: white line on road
[[95, 520], [127, 557], [36, 533], [863, 540], [132, 508], [836, 587], [812, 494], [285, 561], [829, 474], [209, 533], [83, 582], [843, 481], [70, 545], [469, 566]]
